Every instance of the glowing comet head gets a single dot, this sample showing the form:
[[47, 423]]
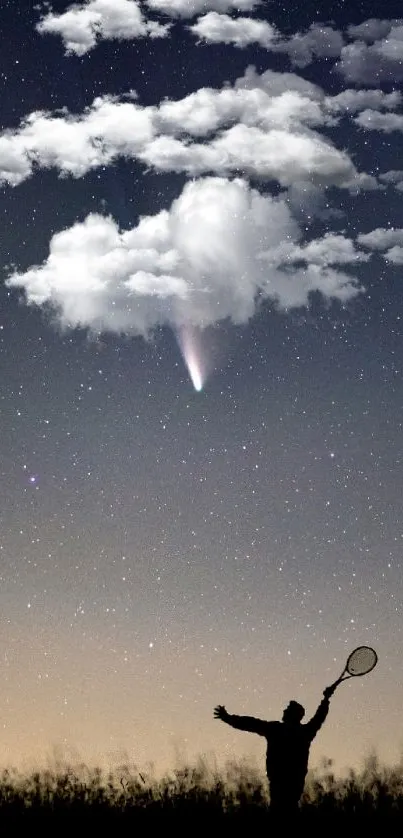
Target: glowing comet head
[[195, 373], [190, 344]]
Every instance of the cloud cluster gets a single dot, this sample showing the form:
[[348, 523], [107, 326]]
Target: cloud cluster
[[220, 249], [302, 47], [223, 246], [264, 126], [81, 27], [374, 53], [376, 56], [387, 240]]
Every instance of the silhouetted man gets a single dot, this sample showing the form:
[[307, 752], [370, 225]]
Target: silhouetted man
[[288, 744]]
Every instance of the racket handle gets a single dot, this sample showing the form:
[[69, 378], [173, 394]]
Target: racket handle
[[336, 683]]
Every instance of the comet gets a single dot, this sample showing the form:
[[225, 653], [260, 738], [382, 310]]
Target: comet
[[190, 347], [195, 373]]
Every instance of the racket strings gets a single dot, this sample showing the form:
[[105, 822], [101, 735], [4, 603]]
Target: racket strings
[[361, 661]]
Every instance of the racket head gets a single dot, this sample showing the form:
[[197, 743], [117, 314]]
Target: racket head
[[362, 660]]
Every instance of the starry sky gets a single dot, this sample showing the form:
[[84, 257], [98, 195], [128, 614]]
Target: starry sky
[[201, 374]]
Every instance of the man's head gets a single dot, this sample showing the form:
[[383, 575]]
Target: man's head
[[293, 713]]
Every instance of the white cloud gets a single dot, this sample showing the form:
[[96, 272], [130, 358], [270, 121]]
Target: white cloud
[[375, 62], [395, 255], [82, 26], [246, 129], [276, 83], [219, 247], [372, 29], [217, 28], [331, 249], [387, 240], [374, 121], [376, 56], [350, 101], [75, 145], [382, 238], [394, 177], [301, 48], [318, 42], [15, 163], [270, 155], [190, 8], [208, 110]]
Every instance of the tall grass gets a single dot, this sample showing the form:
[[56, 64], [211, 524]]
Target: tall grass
[[199, 796]]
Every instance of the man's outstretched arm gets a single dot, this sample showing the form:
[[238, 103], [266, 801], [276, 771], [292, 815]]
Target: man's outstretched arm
[[248, 723], [317, 720]]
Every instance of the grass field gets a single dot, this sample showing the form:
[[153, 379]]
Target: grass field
[[193, 799]]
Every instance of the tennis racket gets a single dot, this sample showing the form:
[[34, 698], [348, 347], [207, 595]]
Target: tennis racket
[[361, 661]]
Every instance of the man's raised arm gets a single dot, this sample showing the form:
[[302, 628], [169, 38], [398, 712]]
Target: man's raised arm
[[248, 723], [317, 720]]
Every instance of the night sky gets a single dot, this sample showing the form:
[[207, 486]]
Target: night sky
[[201, 374]]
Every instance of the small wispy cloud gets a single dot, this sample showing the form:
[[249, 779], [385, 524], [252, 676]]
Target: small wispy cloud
[[350, 101], [214, 28], [393, 178], [190, 8], [372, 29], [372, 120]]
